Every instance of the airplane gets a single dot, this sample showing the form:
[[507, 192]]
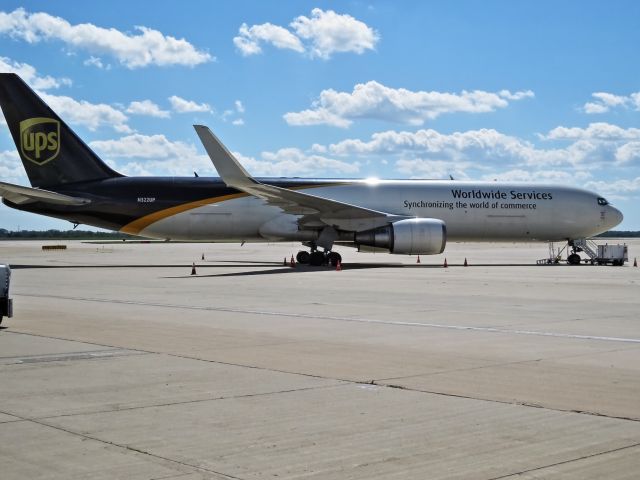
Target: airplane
[[406, 217]]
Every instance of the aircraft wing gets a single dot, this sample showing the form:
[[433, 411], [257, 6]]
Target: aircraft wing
[[313, 208], [20, 194]]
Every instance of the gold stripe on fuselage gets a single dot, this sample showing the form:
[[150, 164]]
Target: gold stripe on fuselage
[[135, 227]]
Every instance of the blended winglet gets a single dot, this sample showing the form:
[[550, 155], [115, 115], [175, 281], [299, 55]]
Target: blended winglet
[[228, 167], [331, 212]]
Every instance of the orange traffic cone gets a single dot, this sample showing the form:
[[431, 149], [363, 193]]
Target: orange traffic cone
[[635, 262], [465, 262], [193, 269], [418, 261], [203, 256], [446, 265], [292, 264], [338, 266]]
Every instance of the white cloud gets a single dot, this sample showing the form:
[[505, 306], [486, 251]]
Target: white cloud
[[436, 169], [544, 176], [606, 101], [488, 148], [238, 122], [89, 115], [181, 105], [147, 107], [628, 153], [430, 143], [293, 161], [150, 155], [29, 74], [616, 188], [239, 106], [96, 62], [373, 100], [147, 47], [156, 155], [321, 35], [595, 131], [592, 107], [144, 146], [11, 167], [249, 39], [329, 32]]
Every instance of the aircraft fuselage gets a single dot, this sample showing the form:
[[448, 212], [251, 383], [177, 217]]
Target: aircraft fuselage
[[205, 209]]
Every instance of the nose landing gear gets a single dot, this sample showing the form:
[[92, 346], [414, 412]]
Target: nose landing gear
[[574, 259]]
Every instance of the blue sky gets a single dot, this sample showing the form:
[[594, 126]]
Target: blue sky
[[532, 91]]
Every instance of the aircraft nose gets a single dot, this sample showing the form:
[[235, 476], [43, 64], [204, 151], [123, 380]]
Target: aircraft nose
[[615, 217]]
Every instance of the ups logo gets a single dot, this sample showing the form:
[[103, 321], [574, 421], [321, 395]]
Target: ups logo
[[40, 139]]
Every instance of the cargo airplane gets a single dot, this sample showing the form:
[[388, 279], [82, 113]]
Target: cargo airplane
[[69, 181]]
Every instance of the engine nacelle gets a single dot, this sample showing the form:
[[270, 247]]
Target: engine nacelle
[[426, 236]]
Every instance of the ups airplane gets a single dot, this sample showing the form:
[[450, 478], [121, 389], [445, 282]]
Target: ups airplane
[[69, 181]]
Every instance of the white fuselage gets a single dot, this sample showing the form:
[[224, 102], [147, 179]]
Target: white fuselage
[[472, 211]]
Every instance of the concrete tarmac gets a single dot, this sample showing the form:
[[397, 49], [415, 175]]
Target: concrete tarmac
[[120, 364]]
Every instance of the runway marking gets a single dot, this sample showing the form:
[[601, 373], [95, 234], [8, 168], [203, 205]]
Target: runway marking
[[344, 319], [64, 357]]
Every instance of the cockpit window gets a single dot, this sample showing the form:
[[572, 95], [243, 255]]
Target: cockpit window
[[602, 201]]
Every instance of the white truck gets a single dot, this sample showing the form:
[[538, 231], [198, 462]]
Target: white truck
[[614, 254]]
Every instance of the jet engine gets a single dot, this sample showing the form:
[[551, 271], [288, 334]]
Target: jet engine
[[426, 236]]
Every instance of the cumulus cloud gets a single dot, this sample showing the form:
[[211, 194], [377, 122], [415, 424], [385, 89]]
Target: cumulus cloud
[[373, 100], [139, 154], [605, 101], [10, 167], [293, 161], [434, 169], [234, 114], [80, 112], [595, 131], [89, 115], [29, 74], [321, 35], [628, 153], [147, 107], [329, 32], [485, 148], [249, 39], [143, 146], [149, 155], [96, 62], [147, 47], [616, 188], [544, 176], [181, 105]]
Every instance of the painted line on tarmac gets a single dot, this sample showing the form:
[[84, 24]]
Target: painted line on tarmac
[[342, 319]]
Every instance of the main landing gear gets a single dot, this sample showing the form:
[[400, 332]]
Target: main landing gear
[[316, 258]]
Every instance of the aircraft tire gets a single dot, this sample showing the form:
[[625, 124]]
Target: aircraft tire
[[316, 259], [334, 258], [303, 257], [573, 259]]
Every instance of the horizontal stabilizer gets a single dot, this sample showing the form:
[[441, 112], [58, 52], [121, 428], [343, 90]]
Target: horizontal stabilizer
[[20, 195]]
